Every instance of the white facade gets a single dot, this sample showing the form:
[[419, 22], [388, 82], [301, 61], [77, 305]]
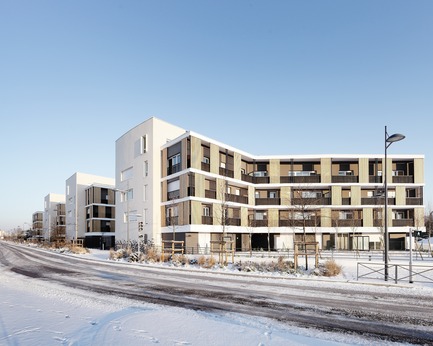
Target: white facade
[[50, 212], [138, 179], [76, 201]]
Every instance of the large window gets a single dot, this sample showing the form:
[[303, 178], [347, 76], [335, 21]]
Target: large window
[[174, 164], [126, 174]]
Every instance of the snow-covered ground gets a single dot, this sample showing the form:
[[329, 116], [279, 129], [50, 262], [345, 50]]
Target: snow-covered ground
[[34, 312]]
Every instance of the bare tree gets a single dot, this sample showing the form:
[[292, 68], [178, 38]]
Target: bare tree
[[304, 212]]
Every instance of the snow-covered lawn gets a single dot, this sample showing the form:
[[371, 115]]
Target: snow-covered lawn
[[34, 312]]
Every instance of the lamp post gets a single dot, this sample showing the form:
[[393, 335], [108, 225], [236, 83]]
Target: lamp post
[[388, 141]]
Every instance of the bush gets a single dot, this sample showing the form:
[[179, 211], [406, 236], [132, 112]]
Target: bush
[[331, 268], [179, 259], [152, 255], [206, 262]]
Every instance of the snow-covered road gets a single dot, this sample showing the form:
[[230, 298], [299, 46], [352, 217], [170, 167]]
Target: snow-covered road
[[385, 312]]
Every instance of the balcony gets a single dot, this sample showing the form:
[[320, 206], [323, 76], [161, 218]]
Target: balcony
[[344, 179], [210, 194], [300, 179], [173, 195], [258, 223], [312, 201], [247, 178], [403, 179], [174, 169], [227, 172], [205, 167], [268, 201], [207, 220], [347, 223], [231, 221], [402, 223], [375, 179], [345, 201], [377, 201], [414, 201], [236, 198], [313, 222], [172, 221]]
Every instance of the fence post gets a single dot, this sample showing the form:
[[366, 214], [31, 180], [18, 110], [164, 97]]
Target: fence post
[[396, 271]]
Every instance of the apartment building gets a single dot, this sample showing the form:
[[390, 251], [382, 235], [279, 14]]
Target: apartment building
[[90, 210], [38, 225], [205, 190], [54, 217]]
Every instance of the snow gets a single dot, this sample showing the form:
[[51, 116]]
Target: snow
[[34, 312]]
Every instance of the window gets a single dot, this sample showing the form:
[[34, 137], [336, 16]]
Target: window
[[144, 192], [260, 215], [272, 194], [345, 172], [346, 215], [206, 211], [174, 164], [143, 145], [145, 220], [126, 174], [301, 173], [127, 195], [146, 168], [173, 186], [311, 194]]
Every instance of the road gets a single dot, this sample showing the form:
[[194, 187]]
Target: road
[[386, 313]]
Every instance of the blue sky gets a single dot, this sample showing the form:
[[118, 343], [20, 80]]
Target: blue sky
[[267, 77]]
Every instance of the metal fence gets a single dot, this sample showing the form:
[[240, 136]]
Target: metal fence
[[396, 272]]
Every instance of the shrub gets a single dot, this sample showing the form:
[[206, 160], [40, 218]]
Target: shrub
[[152, 255], [206, 262], [331, 268], [180, 259]]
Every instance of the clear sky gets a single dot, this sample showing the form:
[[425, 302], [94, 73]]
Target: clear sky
[[267, 77]]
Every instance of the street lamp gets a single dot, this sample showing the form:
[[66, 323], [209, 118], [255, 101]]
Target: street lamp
[[388, 141]]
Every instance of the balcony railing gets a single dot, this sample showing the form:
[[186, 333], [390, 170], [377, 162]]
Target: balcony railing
[[227, 172], [268, 201], [313, 222], [205, 167], [403, 179], [374, 179], [236, 198], [247, 178], [377, 201], [174, 169], [210, 194], [347, 223], [207, 220], [231, 221], [344, 179], [258, 223], [312, 201], [345, 201], [172, 220], [402, 222], [173, 195], [414, 201], [301, 179]]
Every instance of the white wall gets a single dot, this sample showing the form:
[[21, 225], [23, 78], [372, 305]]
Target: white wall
[[76, 186], [49, 215], [129, 155]]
